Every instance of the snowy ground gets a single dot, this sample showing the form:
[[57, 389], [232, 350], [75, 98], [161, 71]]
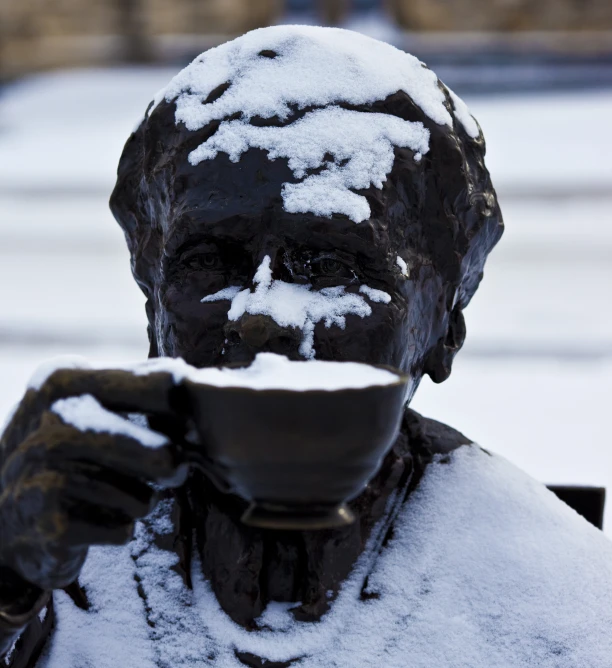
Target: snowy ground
[[536, 374]]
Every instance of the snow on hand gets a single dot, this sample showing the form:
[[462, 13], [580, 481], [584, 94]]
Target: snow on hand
[[87, 414], [49, 367], [272, 72]]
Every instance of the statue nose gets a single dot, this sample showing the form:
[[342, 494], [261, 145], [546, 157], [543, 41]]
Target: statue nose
[[261, 332]]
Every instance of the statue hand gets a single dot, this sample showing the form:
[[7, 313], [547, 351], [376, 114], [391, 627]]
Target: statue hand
[[67, 482]]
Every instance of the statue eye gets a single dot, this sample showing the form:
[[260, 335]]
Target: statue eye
[[205, 261], [332, 268]]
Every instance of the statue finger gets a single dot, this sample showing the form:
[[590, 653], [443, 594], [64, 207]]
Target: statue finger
[[116, 389], [91, 495]]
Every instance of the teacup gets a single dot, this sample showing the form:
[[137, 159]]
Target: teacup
[[296, 450]]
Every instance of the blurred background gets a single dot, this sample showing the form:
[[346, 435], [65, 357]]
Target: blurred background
[[535, 377]]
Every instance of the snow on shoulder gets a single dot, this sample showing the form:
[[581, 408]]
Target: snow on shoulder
[[486, 568], [273, 72], [277, 372]]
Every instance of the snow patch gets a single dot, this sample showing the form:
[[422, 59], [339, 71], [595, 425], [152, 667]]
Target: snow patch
[[313, 66], [401, 263], [87, 414], [360, 143], [295, 305], [226, 293], [172, 365], [379, 296], [274, 71], [276, 372], [114, 631], [50, 366], [462, 114], [277, 616]]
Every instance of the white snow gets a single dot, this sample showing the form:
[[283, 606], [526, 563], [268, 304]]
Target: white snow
[[49, 367], [313, 66], [277, 616], [114, 632], [295, 305], [375, 295], [485, 565], [9, 655], [267, 372], [401, 263], [361, 145], [173, 365], [276, 372], [226, 293], [273, 372], [463, 115], [87, 414]]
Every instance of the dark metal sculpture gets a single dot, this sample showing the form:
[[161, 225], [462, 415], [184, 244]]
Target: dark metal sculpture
[[192, 231]]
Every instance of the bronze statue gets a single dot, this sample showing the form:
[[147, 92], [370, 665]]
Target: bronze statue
[[317, 194]]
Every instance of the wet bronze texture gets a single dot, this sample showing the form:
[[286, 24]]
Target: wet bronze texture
[[192, 231]]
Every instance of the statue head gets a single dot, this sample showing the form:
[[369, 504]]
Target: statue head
[[310, 192]]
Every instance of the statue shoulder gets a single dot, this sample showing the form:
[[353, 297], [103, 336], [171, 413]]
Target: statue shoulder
[[433, 436]]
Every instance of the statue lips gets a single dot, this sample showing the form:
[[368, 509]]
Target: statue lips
[[298, 456]]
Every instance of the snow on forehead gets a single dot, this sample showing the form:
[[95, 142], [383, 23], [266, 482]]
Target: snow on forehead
[[313, 66]]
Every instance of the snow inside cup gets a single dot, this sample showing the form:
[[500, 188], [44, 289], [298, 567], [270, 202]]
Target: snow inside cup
[[296, 439]]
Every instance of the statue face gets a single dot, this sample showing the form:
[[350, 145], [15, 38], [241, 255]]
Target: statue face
[[239, 275], [212, 181]]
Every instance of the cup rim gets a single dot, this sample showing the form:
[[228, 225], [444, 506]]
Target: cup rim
[[401, 381]]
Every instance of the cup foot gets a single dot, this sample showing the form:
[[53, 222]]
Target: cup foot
[[271, 516]]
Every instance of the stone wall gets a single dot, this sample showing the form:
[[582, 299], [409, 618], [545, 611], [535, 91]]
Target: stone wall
[[503, 15], [41, 34]]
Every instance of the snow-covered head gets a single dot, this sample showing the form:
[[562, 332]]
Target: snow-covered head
[[312, 191]]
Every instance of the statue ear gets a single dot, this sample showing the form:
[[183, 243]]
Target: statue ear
[[439, 360]]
